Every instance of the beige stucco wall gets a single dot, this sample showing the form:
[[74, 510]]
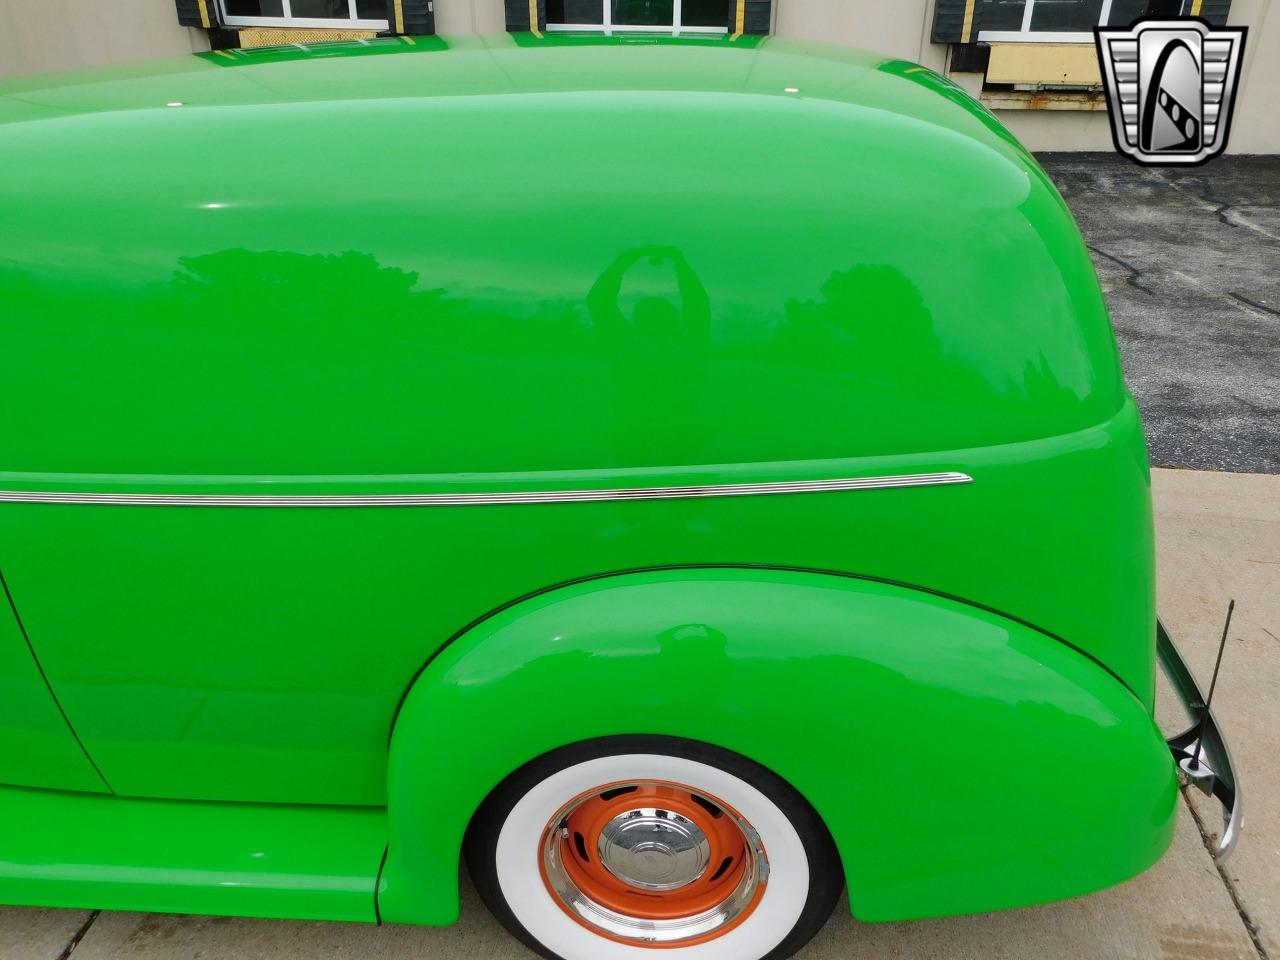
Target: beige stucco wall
[[42, 35], [39, 35], [901, 28], [1256, 126], [470, 16]]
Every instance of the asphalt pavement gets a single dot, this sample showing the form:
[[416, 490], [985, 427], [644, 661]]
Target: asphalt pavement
[[1190, 263]]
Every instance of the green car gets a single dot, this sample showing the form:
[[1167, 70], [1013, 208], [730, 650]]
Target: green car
[[683, 479]]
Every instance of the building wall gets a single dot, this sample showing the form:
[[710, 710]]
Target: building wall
[[40, 35], [1256, 126], [899, 29], [43, 35], [902, 28], [470, 16]]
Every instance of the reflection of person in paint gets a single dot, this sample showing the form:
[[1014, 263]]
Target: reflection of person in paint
[[660, 355]]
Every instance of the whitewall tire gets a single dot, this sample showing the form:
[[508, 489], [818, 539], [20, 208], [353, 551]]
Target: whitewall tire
[[653, 848]]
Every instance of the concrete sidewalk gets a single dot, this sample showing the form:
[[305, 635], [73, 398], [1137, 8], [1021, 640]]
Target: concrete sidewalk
[[1219, 537]]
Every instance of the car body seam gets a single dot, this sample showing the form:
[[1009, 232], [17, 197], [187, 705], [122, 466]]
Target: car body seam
[[22, 628], [848, 575]]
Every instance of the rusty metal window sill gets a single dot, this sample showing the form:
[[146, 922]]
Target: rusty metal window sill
[[1091, 100]]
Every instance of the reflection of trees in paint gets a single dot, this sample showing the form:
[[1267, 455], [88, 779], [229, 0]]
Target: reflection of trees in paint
[[870, 320], [872, 329], [660, 353]]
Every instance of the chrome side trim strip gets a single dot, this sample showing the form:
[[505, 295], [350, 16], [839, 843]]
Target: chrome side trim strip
[[484, 499]]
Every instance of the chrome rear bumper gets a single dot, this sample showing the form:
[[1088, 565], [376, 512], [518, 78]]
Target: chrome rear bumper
[[1214, 774]]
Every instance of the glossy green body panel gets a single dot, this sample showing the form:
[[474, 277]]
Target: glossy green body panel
[[514, 265], [79, 850], [946, 787], [37, 748], [261, 653], [818, 292]]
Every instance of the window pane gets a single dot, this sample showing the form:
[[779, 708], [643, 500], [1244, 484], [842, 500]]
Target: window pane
[[321, 9], [1124, 12], [644, 13], [371, 9], [1069, 15], [575, 11], [705, 13], [255, 8], [1000, 15]]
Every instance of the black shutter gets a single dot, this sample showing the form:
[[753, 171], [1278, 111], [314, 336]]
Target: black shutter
[[1216, 11], [948, 21], [757, 16], [950, 15], [412, 18], [518, 19], [969, 58], [197, 13]]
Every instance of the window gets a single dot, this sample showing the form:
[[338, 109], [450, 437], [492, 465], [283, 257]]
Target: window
[[675, 17], [1064, 21], [364, 14], [1055, 21]]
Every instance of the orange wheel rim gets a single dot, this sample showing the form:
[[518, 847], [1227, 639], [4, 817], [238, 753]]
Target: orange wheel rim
[[653, 863]]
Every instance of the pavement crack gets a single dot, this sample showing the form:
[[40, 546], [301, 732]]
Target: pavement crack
[[1225, 212], [1250, 927], [1236, 300], [1240, 298], [78, 935], [1135, 275], [1228, 214]]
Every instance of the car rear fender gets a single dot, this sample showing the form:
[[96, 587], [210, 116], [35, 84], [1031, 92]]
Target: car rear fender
[[962, 761]]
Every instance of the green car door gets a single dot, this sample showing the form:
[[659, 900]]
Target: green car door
[[37, 747]]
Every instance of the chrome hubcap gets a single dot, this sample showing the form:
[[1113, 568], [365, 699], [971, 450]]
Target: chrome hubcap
[[654, 849], [653, 863]]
